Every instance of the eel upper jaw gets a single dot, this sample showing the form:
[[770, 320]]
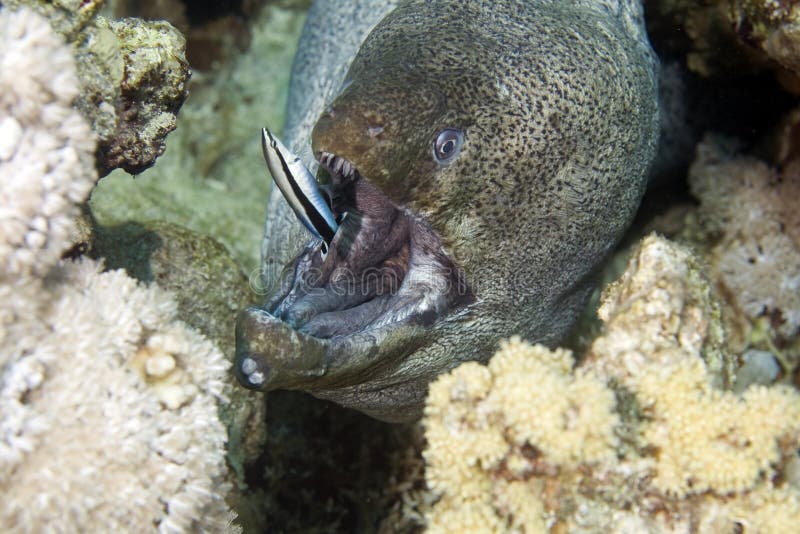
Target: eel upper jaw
[[339, 168]]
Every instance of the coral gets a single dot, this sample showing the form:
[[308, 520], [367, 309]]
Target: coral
[[109, 409], [43, 147], [133, 78], [109, 402], [749, 223], [407, 497], [773, 28], [640, 437], [209, 289], [706, 36], [484, 421]]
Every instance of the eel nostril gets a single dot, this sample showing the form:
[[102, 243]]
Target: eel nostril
[[250, 373], [257, 378], [248, 365]]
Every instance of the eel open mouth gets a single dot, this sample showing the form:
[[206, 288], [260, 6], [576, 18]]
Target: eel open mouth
[[384, 270], [383, 265]]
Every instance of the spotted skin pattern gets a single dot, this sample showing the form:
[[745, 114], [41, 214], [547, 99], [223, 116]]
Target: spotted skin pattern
[[557, 104]]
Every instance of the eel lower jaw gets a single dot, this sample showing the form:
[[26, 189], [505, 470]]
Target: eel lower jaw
[[385, 276]]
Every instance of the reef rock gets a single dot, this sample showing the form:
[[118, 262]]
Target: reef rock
[[642, 436], [212, 179], [133, 77]]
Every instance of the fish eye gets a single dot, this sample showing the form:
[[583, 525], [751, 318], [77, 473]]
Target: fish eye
[[447, 145]]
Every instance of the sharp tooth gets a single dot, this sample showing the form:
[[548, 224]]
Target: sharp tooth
[[338, 165], [346, 168]]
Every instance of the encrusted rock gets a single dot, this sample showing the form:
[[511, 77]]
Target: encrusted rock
[[133, 76]]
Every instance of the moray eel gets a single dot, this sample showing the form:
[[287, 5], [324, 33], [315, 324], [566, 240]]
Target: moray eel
[[482, 159]]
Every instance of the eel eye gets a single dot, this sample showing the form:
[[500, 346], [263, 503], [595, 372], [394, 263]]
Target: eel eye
[[447, 145]]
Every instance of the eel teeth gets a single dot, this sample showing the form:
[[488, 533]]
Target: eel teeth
[[341, 170]]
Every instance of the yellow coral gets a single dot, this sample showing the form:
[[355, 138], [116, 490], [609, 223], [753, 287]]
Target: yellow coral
[[480, 421], [469, 516], [523, 505], [708, 439], [640, 438], [767, 510], [466, 442], [569, 417]]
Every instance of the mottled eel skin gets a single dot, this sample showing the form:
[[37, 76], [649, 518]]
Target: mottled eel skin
[[501, 150]]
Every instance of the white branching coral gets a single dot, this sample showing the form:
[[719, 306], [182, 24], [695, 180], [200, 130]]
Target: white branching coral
[[108, 401], [86, 441], [46, 148], [640, 437]]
